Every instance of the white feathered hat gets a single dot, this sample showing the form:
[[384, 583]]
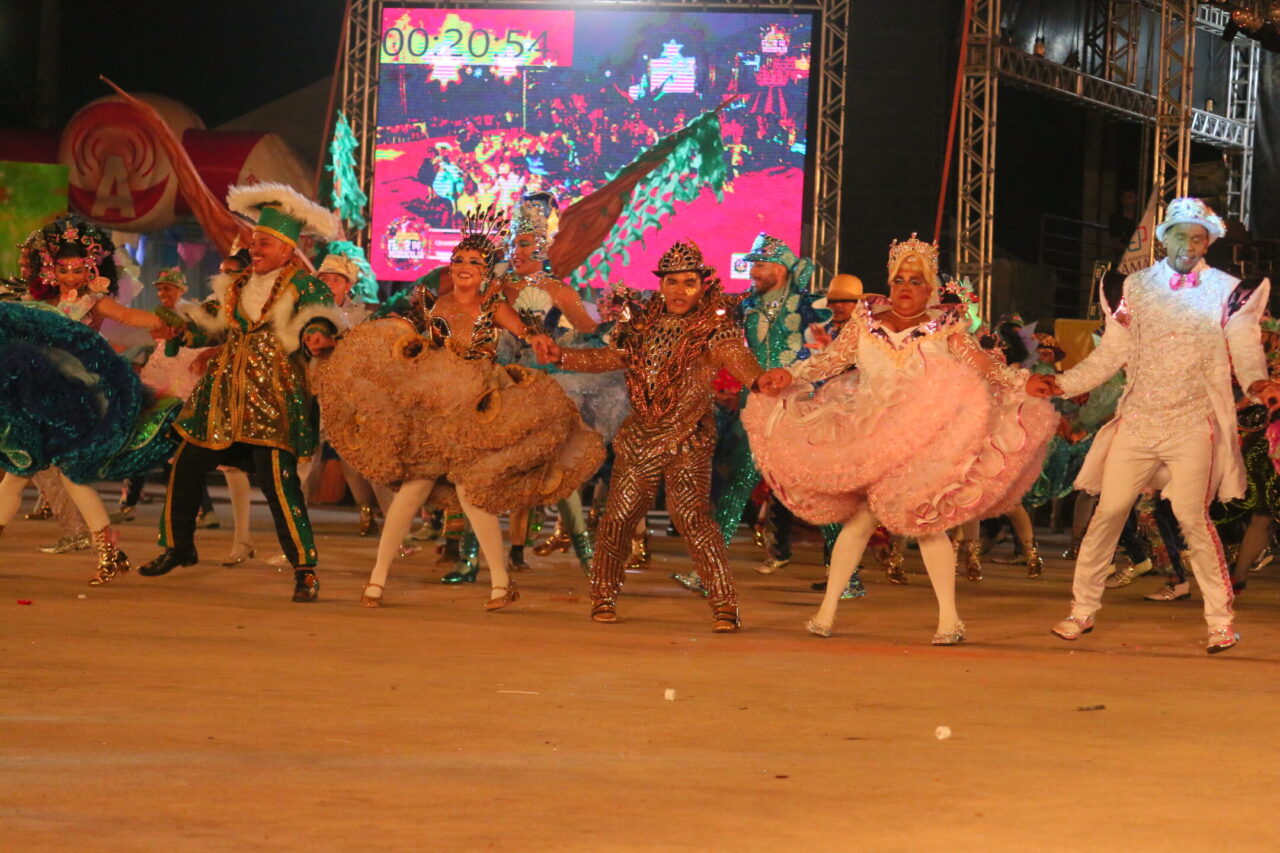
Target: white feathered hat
[[282, 212]]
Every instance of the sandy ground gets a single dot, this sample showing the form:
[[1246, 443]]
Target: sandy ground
[[205, 711]]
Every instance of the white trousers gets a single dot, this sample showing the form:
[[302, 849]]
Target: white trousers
[[1129, 466]]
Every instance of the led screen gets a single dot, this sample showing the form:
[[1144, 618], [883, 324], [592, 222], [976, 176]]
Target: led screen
[[479, 106]]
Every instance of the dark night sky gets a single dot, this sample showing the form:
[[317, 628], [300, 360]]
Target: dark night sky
[[220, 57]]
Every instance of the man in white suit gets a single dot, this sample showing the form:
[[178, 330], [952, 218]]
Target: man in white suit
[[1178, 329]]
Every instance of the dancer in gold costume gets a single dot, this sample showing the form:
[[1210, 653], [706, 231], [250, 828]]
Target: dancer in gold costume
[[671, 349]]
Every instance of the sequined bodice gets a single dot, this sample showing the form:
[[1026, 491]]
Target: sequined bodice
[[465, 327]]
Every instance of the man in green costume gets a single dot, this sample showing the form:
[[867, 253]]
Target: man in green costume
[[252, 410]]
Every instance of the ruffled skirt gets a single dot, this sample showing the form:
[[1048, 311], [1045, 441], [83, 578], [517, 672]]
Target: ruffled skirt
[[925, 453], [68, 399], [397, 409]]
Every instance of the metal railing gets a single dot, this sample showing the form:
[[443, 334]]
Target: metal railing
[[1068, 250]]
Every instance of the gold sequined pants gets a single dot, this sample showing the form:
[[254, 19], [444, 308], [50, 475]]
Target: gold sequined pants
[[637, 472]]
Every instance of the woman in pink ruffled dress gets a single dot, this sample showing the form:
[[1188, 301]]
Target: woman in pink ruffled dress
[[927, 433]]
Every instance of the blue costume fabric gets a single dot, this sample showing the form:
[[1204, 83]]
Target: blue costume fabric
[[601, 398], [67, 399], [781, 346]]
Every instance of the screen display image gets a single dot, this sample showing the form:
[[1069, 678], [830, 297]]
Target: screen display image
[[480, 106]]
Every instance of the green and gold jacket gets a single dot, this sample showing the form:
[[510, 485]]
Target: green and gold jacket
[[256, 390]]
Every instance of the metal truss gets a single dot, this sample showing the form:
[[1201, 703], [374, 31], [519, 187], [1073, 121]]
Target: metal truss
[[1112, 57], [976, 170], [358, 98], [1171, 158], [1242, 108], [1094, 56], [1025, 69], [1124, 26], [360, 90]]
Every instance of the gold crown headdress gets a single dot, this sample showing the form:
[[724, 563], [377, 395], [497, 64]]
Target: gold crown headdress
[[900, 251], [683, 256], [485, 231]]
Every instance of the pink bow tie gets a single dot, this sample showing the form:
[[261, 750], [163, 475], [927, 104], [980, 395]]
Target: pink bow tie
[[1186, 279]]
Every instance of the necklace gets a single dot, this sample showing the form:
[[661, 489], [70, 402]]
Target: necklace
[[912, 317]]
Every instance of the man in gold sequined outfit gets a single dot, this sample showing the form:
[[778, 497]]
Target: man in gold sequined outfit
[[671, 348]]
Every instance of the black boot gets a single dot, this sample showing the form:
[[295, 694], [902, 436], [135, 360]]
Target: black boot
[[169, 559], [306, 586]]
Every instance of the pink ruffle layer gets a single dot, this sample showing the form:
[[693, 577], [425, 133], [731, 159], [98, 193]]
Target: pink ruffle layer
[[926, 453]]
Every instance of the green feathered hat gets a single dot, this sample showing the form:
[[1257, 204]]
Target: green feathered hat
[[282, 212]]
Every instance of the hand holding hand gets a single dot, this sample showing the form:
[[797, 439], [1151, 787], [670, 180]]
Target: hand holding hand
[[545, 349], [773, 382], [1042, 385]]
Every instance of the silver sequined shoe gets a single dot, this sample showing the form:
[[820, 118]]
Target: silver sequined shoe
[[67, 544], [816, 628], [690, 581], [950, 638]]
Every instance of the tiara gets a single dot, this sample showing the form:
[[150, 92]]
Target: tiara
[[900, 251], [484, 230]]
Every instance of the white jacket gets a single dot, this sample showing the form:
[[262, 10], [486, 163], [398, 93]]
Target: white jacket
[[1228, 339]]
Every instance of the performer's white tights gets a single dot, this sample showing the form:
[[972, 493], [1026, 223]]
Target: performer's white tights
[[85, 497], [488, 530], [11, 489], [939, 562], [399, 518]]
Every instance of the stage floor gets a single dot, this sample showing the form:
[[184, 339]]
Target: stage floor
[[205, 711]]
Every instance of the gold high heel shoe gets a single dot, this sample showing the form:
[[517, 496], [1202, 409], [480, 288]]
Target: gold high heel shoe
[[1035, 565], [725, 619], [111, 560], [604, 610], [510, 595], [368, 524], [558, 541], [368, 600], [893, 570], [972, 563], [240, 551], [639, 558]]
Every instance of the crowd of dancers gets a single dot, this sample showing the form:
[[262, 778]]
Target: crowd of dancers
[[491, 388]]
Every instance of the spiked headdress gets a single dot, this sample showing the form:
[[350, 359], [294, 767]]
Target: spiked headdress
[[484, 231], [683, 256]]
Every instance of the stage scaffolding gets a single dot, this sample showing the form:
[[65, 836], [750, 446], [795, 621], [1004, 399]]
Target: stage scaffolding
[[1108, 80], [358, 97]]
